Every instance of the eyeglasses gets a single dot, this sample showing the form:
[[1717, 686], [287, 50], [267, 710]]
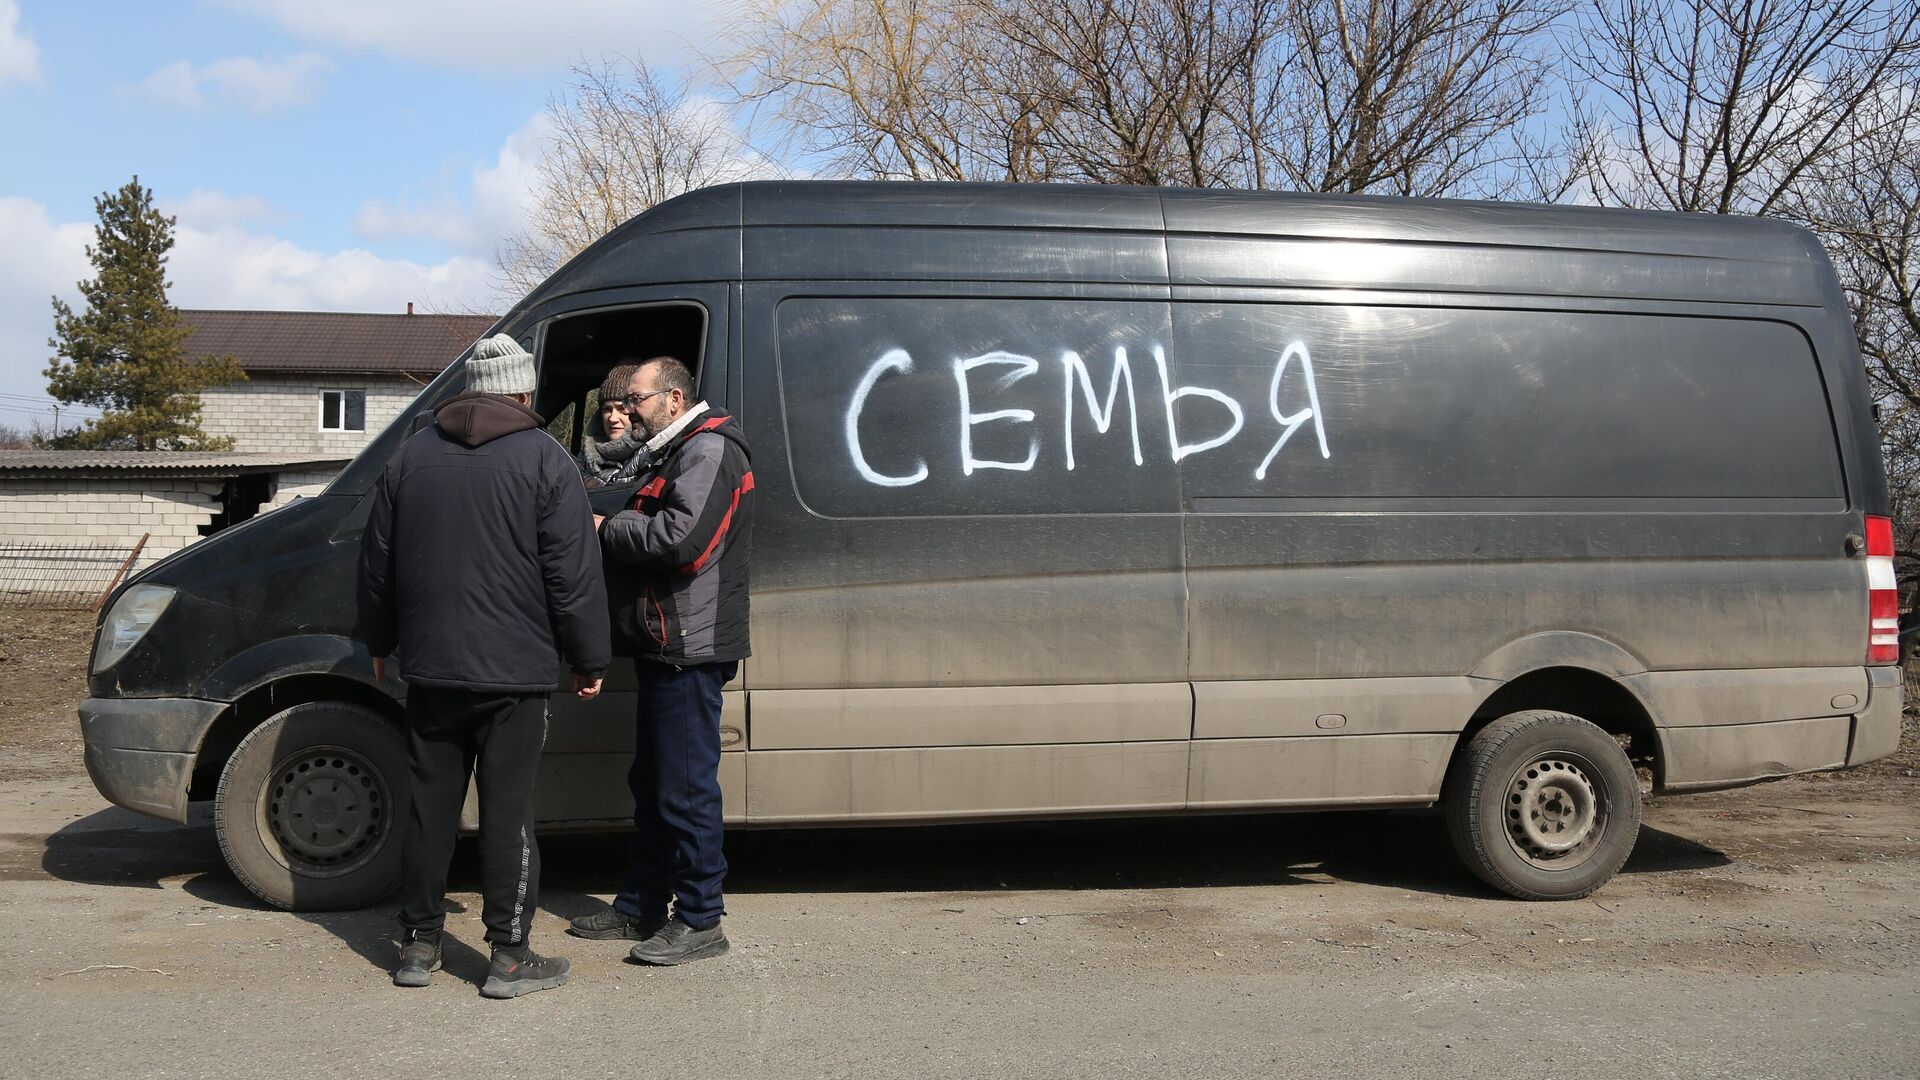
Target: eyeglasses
[[634, 401]]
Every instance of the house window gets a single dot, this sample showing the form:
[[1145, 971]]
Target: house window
[[343, 410]]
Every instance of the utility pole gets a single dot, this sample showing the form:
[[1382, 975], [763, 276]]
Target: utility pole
[[56, 421]]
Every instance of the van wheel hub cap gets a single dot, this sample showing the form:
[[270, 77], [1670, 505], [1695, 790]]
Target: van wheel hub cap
[[328, 809], [1553, 812]]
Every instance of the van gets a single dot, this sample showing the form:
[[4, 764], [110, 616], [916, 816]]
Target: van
[[1125, 501]]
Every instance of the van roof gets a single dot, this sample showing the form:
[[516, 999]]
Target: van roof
[[878, 230]]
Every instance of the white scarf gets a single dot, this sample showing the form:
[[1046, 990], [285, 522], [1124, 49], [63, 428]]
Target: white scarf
[[655, 444]]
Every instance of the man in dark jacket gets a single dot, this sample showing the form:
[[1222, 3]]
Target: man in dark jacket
[[677, 575], [479, 569]]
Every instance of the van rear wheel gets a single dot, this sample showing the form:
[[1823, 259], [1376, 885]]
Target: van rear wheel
[[1543, 806], [311, 805]]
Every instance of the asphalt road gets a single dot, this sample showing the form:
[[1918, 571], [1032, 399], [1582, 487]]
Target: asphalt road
[[1760, 933]]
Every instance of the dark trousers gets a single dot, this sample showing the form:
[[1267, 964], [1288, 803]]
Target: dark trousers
[[448, 732], [675, 851]]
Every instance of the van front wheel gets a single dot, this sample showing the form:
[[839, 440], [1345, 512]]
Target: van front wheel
[[311, 805], [1543, 806]]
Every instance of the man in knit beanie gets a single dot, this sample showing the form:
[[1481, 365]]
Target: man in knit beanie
[[480, 571], [500, 366]]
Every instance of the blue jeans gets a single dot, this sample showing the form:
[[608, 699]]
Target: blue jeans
[[675, 851]]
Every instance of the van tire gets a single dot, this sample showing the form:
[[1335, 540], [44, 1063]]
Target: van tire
[[1535, 789], [311, 805]]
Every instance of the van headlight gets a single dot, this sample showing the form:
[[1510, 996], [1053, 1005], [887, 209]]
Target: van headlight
[[128, 621]]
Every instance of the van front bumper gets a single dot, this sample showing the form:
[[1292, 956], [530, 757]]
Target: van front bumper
[[140, 751]]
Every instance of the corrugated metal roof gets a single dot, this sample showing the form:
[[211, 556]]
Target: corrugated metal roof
[[16, 463], [333, 340]]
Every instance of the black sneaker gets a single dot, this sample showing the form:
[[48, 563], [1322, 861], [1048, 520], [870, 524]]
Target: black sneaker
[[611, 923], [520, 970], [419, 959], [677, 943]]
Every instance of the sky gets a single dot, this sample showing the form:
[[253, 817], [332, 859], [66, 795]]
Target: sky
[[343, 155]]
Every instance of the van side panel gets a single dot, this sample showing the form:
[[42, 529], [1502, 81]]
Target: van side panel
[[923, 550], [963, 782], [1700, 758], [971, 716], [1433, 484], [917, 525], [1332, 770]]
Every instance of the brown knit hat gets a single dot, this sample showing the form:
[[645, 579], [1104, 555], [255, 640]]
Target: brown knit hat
[[614, 386]]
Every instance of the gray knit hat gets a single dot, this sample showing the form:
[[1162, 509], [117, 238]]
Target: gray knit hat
[[499, 366]]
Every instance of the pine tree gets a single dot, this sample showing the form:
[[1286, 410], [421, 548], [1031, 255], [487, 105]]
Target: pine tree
[[125, 353]]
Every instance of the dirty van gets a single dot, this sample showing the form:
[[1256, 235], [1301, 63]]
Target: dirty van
[[1124, 501]]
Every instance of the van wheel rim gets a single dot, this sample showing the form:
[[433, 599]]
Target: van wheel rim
[[327, 809], [1554, 811]]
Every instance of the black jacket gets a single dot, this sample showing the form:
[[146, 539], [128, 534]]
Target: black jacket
[[677, 560], [479, 566]]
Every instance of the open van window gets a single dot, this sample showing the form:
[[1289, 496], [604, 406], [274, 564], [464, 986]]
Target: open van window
[[578, 351]]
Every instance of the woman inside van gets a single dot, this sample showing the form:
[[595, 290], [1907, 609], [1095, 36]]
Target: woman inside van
[[614, 450]]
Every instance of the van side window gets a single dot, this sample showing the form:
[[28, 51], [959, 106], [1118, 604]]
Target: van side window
[[579, 351], [1422, 403], [955, 407], [945, 407]]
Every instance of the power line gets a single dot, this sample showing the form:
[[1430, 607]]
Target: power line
[[47, 405]]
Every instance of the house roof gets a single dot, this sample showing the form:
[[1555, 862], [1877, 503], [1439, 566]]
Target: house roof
[[292, 341], [21, 464]]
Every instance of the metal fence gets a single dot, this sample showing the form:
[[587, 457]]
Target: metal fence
[[62, 575]]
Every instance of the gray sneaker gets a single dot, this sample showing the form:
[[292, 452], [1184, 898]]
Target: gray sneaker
[[419, 959], [520, 970], [677, 943], [611, 923]]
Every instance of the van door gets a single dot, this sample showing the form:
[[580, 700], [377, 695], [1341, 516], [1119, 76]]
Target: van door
[[590, 744], [967, 590]]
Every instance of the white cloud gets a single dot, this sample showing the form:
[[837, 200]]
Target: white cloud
[[44, 258], [493, 208], [19, 57], [501, 194], [233, 267], [231, 264], [258, 86], [206, 208], [499, 35]]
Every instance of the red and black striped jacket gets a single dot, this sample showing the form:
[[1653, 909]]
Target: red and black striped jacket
[[677, 560]]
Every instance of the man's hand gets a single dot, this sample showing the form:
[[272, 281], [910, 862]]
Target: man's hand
[[584, 688], [379, 670]]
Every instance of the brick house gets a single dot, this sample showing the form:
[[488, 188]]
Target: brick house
[[319, 387], [321, 383]]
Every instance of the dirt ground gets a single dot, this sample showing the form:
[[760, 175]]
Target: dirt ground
[[43, 675], [1763, 932]]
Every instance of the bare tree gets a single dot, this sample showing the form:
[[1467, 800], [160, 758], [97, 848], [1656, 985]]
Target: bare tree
[[1865, 202], [1403, 97], [890, 89], [1723, 106], [621, 139], [17, 438], [1134, 93]]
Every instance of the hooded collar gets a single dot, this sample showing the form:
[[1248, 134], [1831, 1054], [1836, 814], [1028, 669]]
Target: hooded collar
[[658, 442], [475, 419]]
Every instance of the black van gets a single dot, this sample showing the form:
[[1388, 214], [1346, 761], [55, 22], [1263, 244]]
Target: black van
[[1079, 501]]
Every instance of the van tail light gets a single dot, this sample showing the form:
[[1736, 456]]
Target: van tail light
[[1883, 594]]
